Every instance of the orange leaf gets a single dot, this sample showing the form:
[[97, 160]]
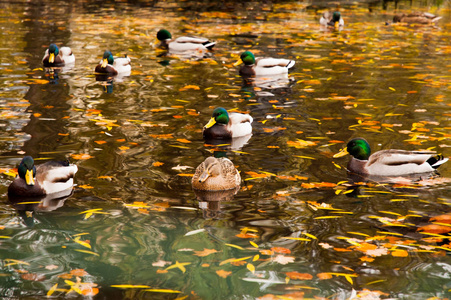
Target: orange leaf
[[266, 252], [205, 252], [183, 141], [223, 274], [323, 276], [100, 142], [33, 276], [281, 250], [300, 276], [246, 235], [81, 156], [400, 253], [79, 272], [442, 219], [157, 164], [162, 271], [435, 229]]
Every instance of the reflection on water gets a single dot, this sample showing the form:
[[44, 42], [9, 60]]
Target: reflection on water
[[134, 218]]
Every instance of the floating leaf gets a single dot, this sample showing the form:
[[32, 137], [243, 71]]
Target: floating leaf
[[223, 274], [281, 250], [205, 252], [251, 267]]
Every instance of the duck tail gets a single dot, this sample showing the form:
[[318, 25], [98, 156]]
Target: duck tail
[[290, 64], [209, 45], [436, 161]]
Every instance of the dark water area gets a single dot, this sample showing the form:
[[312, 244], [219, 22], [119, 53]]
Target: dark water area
[[298, 228]]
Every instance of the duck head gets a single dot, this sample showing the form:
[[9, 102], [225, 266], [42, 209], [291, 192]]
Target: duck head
[[220, 116], [53, 52], [358, 148], [27, 170], [247, 57]]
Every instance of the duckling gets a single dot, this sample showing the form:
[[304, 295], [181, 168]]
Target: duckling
[[333, 21], [388, 162], [224, 125], [48, 178], [216, 174], [183, 43], [265, 66], [416, 18], [113, 66], [56, 57]]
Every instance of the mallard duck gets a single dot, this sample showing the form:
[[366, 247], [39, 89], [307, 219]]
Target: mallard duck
[[224, 125], [388, 162], [416, 18], [183, 43], [333, 21], [57, 57], [216, 174], [113, 66], [48, 178], [264, 66]]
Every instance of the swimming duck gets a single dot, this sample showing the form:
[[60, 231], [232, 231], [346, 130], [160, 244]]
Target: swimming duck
[[48, 178], [264, 66], [388, 162], [113, 66], [57, 57], [224, 125], [416, 18], [216, 174], [183, 43], [333, 21]]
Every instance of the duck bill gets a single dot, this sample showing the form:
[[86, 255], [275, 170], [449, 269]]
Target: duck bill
[[104, 63], [210, 123], [29, 177], [336, 25], [237, 63], [52, 58], [204, 176], [343, 152]]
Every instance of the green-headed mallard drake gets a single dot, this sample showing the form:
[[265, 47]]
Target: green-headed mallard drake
[[388, 162], [216, 174], [183, 43], [224, 125], [57, 57], [263, 66], [47, 178], [113, 66], [416, 18], [335, 20]]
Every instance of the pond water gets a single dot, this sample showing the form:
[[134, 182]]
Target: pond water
[[299, 227]]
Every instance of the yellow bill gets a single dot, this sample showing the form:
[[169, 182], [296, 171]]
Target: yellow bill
[[29, 177], [238, 63], [52, 58], [210, 123], [343, 152], [104, 62]]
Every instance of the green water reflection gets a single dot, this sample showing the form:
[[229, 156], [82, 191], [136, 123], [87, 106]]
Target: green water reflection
[[140, 138]]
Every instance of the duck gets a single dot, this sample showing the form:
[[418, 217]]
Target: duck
[[45, 179], [225, 125], [333, 21], [57, 57], [390, 162], [216, 174], [263, 66], [416, 18], [183, 43], [113, 66]]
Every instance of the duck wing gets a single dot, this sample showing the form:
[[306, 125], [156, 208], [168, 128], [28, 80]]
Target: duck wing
[[269, 62], [229, 172], [239, 124], [399, 157]]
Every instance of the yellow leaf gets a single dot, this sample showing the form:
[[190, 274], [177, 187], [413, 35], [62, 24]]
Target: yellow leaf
[[256, 257], [162, 291], [87, 252], [52, 289], [349, 279], [235, 246], [83, 243], [251, 267], [253, 244]]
